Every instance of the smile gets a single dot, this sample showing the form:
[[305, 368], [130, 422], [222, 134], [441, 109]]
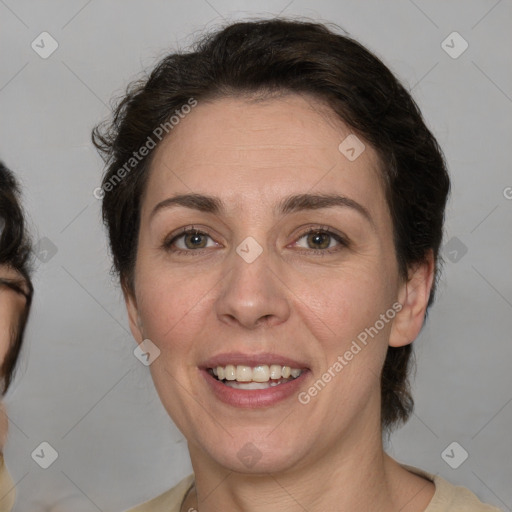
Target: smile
[[261, 376]]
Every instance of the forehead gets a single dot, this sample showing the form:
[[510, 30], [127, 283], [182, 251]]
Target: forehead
[[263, 148]]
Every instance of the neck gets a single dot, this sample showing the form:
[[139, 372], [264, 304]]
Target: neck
[[351, 475]]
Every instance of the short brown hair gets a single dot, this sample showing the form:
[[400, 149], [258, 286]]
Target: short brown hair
[[274, 56]]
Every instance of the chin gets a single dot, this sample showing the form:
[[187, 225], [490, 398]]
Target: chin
[[256, 454]]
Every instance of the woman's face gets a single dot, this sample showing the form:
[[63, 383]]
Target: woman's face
[[254, 292]]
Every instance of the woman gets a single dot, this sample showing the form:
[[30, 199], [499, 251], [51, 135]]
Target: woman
[[15, 299], [275, 205]]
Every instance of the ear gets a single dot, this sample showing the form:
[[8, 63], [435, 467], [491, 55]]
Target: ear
[[413, 296], [133, 312]]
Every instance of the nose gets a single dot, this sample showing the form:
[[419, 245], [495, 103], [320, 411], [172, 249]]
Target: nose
[[252, 293]]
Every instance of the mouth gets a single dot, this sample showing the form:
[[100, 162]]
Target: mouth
[[261, 376], [253, 381]]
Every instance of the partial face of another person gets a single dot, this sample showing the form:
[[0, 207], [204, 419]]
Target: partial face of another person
[[12, 307], [253, 288]]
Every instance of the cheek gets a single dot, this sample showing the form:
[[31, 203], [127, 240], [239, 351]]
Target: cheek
[[173, 308], [8, 315], [342, 303], [4, 338], [341, 310]]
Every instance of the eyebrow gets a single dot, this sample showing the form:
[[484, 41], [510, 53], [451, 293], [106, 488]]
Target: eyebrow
[[287, 205]]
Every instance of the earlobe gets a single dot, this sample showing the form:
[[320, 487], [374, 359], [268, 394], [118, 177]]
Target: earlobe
[[413, 296]]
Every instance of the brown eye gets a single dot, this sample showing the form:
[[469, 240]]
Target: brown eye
[[188, 241], [195, 240], [319, 240], [322, 241]]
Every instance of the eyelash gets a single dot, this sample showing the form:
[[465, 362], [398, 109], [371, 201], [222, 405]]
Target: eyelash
[[194, 231]]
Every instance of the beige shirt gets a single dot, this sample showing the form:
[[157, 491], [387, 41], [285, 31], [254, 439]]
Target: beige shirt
[[7, 489], [447, 497]]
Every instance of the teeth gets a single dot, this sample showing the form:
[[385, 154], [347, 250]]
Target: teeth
[[275, 371], [230, 372], [255, 385], [259, 374], [243, 373], [248, 385]]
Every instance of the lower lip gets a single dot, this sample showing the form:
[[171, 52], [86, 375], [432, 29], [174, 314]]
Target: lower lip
[[253, 398]]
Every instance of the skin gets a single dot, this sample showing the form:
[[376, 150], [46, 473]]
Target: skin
[[328, 454], [12, 305]]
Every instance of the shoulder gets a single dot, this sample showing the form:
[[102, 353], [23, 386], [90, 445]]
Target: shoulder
[[169, 501], [447, 497], [451, 498]]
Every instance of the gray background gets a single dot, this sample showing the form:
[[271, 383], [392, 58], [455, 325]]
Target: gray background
[[79, 386]]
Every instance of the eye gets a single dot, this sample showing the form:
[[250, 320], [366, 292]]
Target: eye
[[191, 240], [322, 241], [188, 240]]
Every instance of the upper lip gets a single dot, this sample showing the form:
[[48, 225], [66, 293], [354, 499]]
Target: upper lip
[[238, 358]]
